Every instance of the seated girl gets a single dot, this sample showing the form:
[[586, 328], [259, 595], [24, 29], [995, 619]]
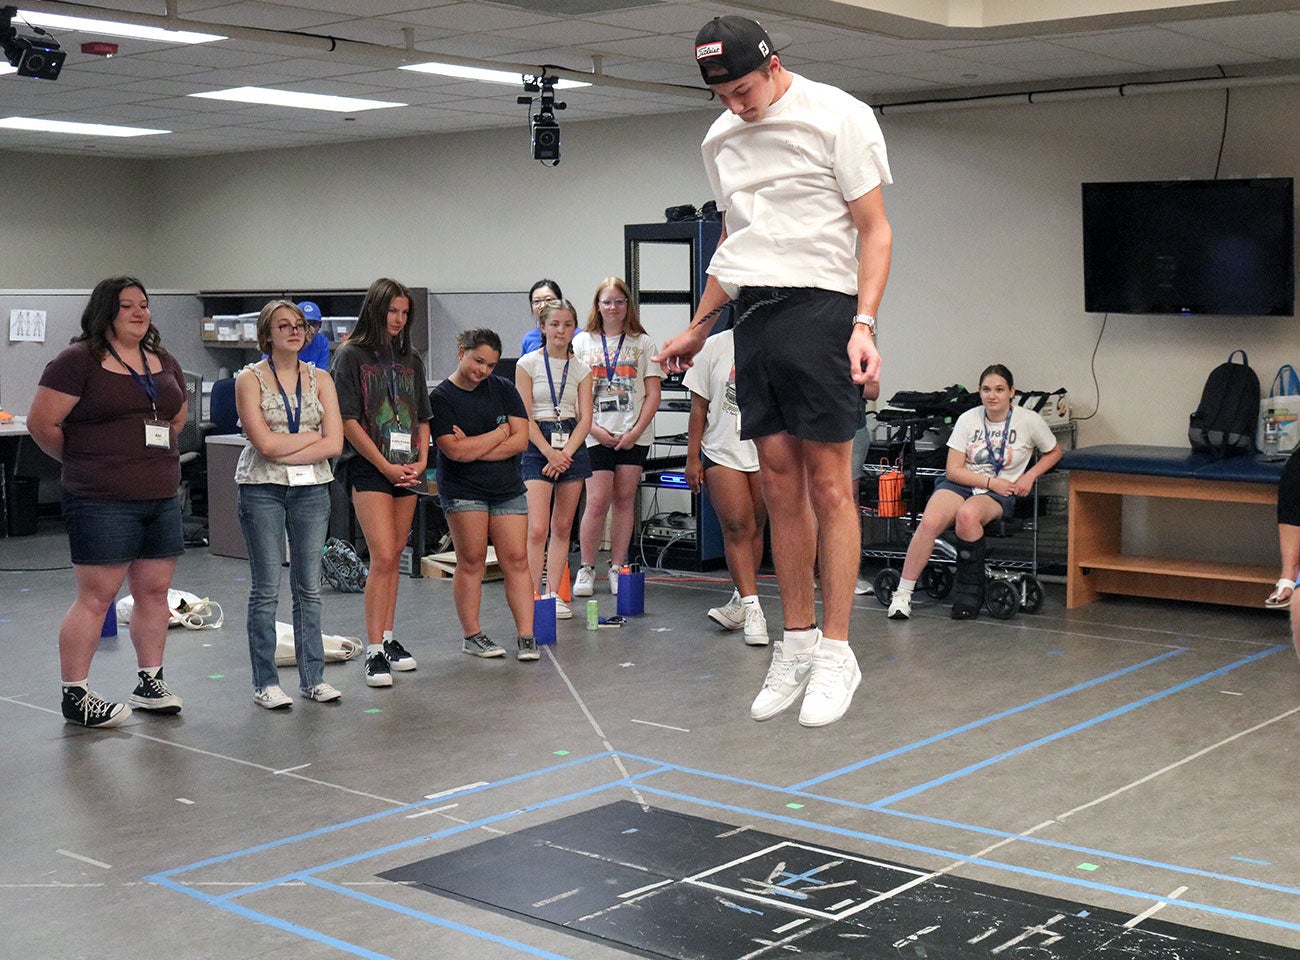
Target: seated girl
[[987, 468]]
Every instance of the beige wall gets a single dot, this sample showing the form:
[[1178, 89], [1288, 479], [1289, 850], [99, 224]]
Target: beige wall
[[987, 262]]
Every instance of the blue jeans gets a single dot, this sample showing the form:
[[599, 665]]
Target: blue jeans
[[266, 512]]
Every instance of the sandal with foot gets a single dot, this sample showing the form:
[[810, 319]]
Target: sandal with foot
[[1280, 598]]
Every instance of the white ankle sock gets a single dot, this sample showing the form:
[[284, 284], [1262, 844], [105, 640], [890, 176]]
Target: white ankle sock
[[752, 599], [799, 641], [374, 648], [388, 635], [835, 648]]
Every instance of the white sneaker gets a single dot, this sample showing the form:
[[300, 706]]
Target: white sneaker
[[830, 689], [755, 626], [271, 697], [784, 682], [730, 616], [900, 607], [864, 588], [562, 610], [585, 582], [322, 693], [613, 581]]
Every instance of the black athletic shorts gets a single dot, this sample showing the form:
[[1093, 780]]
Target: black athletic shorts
[[1288, 493], [360, 474], [792, 365]]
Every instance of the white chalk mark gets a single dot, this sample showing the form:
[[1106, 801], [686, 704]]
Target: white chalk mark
[[1040, 929], [447, 793], [640, 890], [422, 813], [77, 856], [792, 924], [663, 726], [843, 903], [1158, 905], [1178, 763], [301, 766], [628, 664], [561, 896], [185, 800], [913, 937], [1231, 693]]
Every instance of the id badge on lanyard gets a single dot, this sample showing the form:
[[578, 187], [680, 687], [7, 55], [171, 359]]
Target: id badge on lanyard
[[301, 474], [399, 442], [559, 437], [157, 434]]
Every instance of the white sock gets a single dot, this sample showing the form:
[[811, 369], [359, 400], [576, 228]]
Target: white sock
[[388, 635], [83, 684], [839, 649], [372, 648], [799, 641], [905, 587], [152, 671], [751, 600]]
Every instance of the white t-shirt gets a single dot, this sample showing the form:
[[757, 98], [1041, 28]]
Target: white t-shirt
[[713, 377], [785, 181], [540, 403], [1028, 432], [618, 399]]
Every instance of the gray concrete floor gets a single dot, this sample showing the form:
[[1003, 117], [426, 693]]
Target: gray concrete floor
[[1134, 756]]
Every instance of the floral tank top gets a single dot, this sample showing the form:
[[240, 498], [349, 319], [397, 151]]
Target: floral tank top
[[255, 468]]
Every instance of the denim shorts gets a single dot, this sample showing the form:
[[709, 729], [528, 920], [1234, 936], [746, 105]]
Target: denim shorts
[[504, 508], [533, 460], [111, 532], [1008, 500]]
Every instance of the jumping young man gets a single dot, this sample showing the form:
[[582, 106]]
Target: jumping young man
[[797, 169]]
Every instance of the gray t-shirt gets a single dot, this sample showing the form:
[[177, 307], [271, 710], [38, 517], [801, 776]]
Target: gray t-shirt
[[385, 394]]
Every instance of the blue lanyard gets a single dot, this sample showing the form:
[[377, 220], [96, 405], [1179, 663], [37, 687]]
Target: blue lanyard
[[293, 415], [550, 380], [996, 460], [604, 346], [142, 380]]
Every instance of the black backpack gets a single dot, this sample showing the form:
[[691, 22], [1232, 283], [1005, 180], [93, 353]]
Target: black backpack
[[1224, 422]]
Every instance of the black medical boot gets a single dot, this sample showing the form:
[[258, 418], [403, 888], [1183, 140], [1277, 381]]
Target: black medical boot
[[968, 579]]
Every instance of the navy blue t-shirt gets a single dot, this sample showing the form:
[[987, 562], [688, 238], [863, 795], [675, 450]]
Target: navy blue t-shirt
[[493, 402]]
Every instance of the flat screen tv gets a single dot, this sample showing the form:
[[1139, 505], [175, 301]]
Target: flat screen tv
[[1190, 247]]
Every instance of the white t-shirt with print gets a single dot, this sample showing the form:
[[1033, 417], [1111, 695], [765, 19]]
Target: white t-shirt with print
[[1029, 432], [785, 181], [540, 403], [617, 399], [713, 377]]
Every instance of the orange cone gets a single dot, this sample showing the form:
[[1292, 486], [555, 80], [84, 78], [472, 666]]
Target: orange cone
[[565, 591]]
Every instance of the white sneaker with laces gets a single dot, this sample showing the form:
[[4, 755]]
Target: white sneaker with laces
[[784, 682], [585, 581], [321, 693], [613, 580], [731, 615], [271, 697], [562, 610], [864, 588], [900, 607], [755, 625], [831, 683]]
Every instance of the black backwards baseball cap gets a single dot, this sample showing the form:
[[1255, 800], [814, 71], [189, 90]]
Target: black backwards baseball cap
[[728, 48]]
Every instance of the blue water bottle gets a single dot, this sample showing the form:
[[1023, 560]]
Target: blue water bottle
[[631, 591], [544, 618]]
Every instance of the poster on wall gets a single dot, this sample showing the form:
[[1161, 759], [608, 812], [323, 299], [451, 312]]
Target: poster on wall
[[27, 326]]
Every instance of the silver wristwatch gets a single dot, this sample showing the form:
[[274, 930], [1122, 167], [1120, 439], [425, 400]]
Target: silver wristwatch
[[867, 320]]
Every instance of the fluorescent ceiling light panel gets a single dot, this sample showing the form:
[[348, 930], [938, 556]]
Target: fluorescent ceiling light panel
[[290, 98], [111, 28], [487, 76], [83, 129]]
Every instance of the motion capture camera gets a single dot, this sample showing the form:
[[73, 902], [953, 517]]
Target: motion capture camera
[[544, 127], [546, 139], [38, 57]]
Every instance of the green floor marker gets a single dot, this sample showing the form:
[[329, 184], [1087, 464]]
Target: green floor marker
[[561, 753], [795, 806], [372, 710], [1088, 866], [216, 676]]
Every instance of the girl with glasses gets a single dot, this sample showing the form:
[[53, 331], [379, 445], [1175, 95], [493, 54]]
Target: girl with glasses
[[539, 295], [625, 397], [290, 413]]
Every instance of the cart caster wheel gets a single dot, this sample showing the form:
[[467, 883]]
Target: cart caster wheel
[[937, 580], [886, 583], [1032, 601], [1001, 599]]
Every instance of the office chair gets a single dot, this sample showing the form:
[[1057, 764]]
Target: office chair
[[194, 478], [221, 407]]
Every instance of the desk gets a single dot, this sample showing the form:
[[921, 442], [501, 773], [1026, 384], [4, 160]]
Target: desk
[[1097, 563], [225, 537], [11, 438]]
